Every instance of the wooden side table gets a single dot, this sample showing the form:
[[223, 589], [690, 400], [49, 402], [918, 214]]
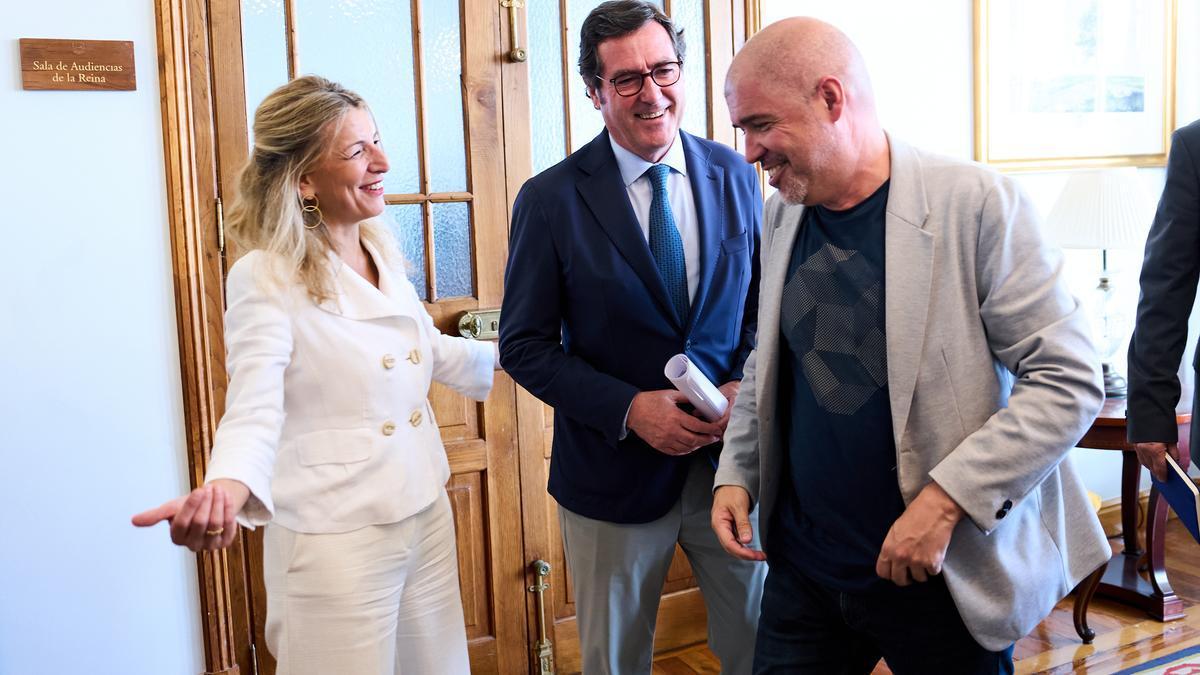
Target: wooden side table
[[1121, 580]]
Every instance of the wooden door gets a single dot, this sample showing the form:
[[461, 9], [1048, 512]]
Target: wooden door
[[454, 108], [429, 71], [547, 95]]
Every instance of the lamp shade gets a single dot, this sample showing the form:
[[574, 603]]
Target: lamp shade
[[1102, 208]]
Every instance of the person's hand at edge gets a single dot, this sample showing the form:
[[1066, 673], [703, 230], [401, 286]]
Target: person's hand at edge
[[656, 418], [1153, 457], [731, 522], [204, 519], [730, 391], [916, 544]]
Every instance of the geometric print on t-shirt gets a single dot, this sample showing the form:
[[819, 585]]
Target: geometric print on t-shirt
[[832, 314]]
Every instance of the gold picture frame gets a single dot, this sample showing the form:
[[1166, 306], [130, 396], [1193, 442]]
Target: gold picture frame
[[1074, 83]]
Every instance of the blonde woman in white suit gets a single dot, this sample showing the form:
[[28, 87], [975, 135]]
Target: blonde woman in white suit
[[328, 433]]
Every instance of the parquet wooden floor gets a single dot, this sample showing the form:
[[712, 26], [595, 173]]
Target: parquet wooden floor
[[1124, 636]]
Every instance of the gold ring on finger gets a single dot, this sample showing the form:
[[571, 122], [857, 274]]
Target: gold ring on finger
[[213, 533]]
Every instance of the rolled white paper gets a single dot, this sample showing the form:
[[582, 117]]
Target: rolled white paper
[[688, 379]]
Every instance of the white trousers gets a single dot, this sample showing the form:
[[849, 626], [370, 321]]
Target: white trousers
[[381, 600]]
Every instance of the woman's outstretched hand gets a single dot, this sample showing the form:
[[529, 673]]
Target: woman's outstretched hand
[[202, 520]]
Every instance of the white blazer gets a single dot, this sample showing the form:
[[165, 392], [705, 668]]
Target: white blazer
[[327, 418]]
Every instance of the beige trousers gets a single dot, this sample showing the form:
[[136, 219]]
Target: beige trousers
[[381, 600], [618, 572]]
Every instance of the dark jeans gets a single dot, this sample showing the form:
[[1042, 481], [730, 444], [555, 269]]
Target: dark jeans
[[806, 627]]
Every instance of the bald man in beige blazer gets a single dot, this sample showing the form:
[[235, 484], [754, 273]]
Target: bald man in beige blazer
[[991, 378]]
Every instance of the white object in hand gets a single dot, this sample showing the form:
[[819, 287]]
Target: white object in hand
[[688, 379]]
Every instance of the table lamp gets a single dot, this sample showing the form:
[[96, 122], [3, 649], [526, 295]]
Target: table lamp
[[1103, 209]]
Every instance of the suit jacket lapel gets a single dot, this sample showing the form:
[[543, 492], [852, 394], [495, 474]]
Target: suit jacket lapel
[[770, 298], [908, 277], [356, 298], [605, 195], [706, 179]]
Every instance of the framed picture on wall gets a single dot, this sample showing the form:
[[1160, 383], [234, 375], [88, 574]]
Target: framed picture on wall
[[1074, 83]]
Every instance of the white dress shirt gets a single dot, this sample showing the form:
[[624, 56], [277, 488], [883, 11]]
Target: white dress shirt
[[679, 192], [683, 207]]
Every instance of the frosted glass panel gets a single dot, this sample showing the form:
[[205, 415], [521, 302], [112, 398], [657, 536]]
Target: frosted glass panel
[[585, 119], [443, 96], [547, 123], [689, 15], [366, 45], [405, 221], [264, 52], [452, 247]]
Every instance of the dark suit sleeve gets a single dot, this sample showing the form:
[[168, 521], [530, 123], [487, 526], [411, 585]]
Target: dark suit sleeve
[[531, 348], [752, 215], [1170, 271]]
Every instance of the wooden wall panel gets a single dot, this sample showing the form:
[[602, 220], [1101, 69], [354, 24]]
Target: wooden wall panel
[[468, 501], [449, 407]]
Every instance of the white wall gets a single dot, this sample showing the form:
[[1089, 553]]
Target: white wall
[[91, 419], [923, 77]]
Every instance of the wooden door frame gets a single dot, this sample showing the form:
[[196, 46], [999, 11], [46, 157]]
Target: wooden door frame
[[202, 101], [186, 76], [190, 154], [727, 25]]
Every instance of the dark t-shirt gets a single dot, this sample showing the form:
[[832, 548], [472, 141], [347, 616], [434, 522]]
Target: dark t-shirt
[[839, 495]]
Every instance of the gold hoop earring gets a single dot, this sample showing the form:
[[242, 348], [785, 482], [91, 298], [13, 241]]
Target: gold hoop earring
[[314, 207]]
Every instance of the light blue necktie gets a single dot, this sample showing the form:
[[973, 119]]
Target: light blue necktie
[[666, 244]]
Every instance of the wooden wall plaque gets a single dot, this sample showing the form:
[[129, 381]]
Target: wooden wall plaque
[[103, 65]]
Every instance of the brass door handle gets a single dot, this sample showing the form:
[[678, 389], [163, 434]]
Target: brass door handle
[[517, 54], [480, 324]]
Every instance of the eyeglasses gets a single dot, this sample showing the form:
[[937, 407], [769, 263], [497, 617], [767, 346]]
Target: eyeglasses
[[630, 84]]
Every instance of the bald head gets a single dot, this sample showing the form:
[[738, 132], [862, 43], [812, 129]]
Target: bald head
[[794, 54], [800, 92]]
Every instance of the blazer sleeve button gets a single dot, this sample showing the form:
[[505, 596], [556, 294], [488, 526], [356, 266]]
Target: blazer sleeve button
[[389, 428], [415, 418], [389, 361]]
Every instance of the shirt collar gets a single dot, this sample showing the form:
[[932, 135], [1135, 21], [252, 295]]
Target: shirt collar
[[633, 167]]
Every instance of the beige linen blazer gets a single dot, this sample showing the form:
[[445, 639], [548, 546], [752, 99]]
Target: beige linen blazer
[[992, 378]]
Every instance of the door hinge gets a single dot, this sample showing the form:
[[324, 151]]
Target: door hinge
[[253, 651], [220, 226]]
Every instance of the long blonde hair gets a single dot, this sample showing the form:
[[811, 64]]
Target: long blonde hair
[[293, 127]]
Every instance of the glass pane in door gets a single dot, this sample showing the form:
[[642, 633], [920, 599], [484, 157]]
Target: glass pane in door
[[452, 250], [443, 94], [585, 119], [264, 52], [367, 46], [406, 225], [689, 15], [547, 115]]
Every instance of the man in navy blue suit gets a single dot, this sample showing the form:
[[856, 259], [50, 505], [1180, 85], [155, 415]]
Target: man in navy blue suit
[[1170, 272], [639, 246]]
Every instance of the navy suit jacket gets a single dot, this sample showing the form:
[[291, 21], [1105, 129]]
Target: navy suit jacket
[[587, 322], [1170, 272]]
